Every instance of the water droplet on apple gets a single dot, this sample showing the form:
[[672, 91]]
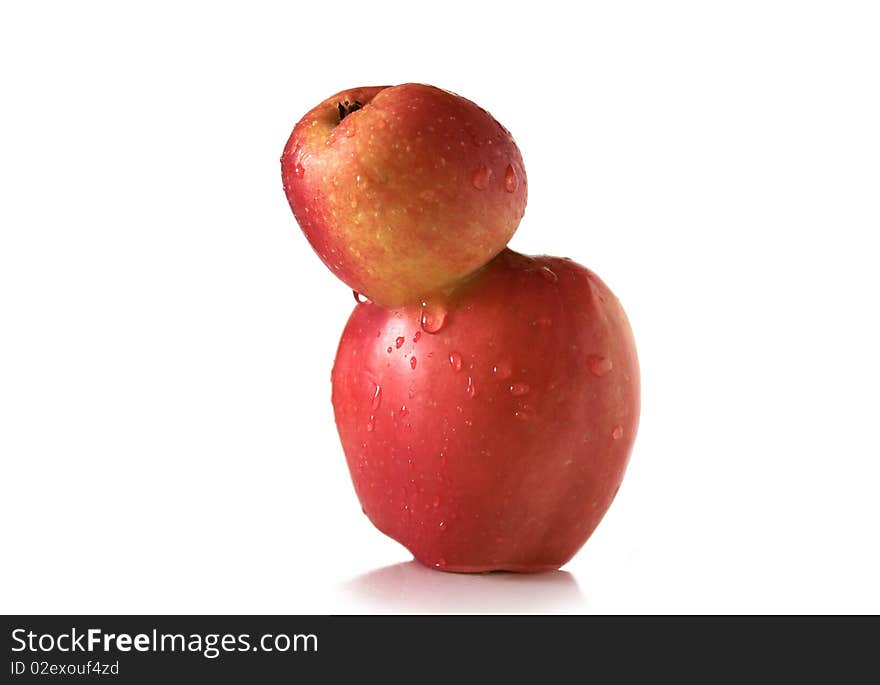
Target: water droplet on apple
[[502, 370], [403, 411], [598, 365], [480, 179], [524, 413], [443, 526], [417, 336], [433, 317], [455, 360], [389, 350], [510, 180], [436, 501], [371, 424], [377, 398], [440, 563], [399, 341], [298, 170], [548, 274], [412, 363], [359, 298], [349, 132], [471, 388], [518, 389], [617, 433]]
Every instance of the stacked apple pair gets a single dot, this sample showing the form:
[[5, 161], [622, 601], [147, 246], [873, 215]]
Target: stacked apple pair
[[486, 401]]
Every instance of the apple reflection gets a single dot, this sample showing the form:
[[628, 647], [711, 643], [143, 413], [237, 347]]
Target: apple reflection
[[412, 587]]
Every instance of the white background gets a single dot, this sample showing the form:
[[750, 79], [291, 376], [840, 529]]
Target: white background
[[166, 333]]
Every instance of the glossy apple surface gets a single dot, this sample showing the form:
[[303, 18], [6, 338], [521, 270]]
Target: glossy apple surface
[[403, 190], [490, 430]]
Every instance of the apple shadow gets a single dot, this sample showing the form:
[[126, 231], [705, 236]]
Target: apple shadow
[[410, 586]]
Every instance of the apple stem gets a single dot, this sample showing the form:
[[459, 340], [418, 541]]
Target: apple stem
[[346, 108]]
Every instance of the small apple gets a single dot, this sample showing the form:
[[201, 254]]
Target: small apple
[[403, 190], [489, 429]]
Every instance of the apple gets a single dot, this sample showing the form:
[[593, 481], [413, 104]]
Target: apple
[[489, 428], [403, 190]]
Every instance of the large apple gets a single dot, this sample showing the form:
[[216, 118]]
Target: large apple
[[489, 429], [403, 190]]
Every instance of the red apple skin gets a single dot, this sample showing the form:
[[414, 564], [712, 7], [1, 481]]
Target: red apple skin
[[499, 441], [406, 195]]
